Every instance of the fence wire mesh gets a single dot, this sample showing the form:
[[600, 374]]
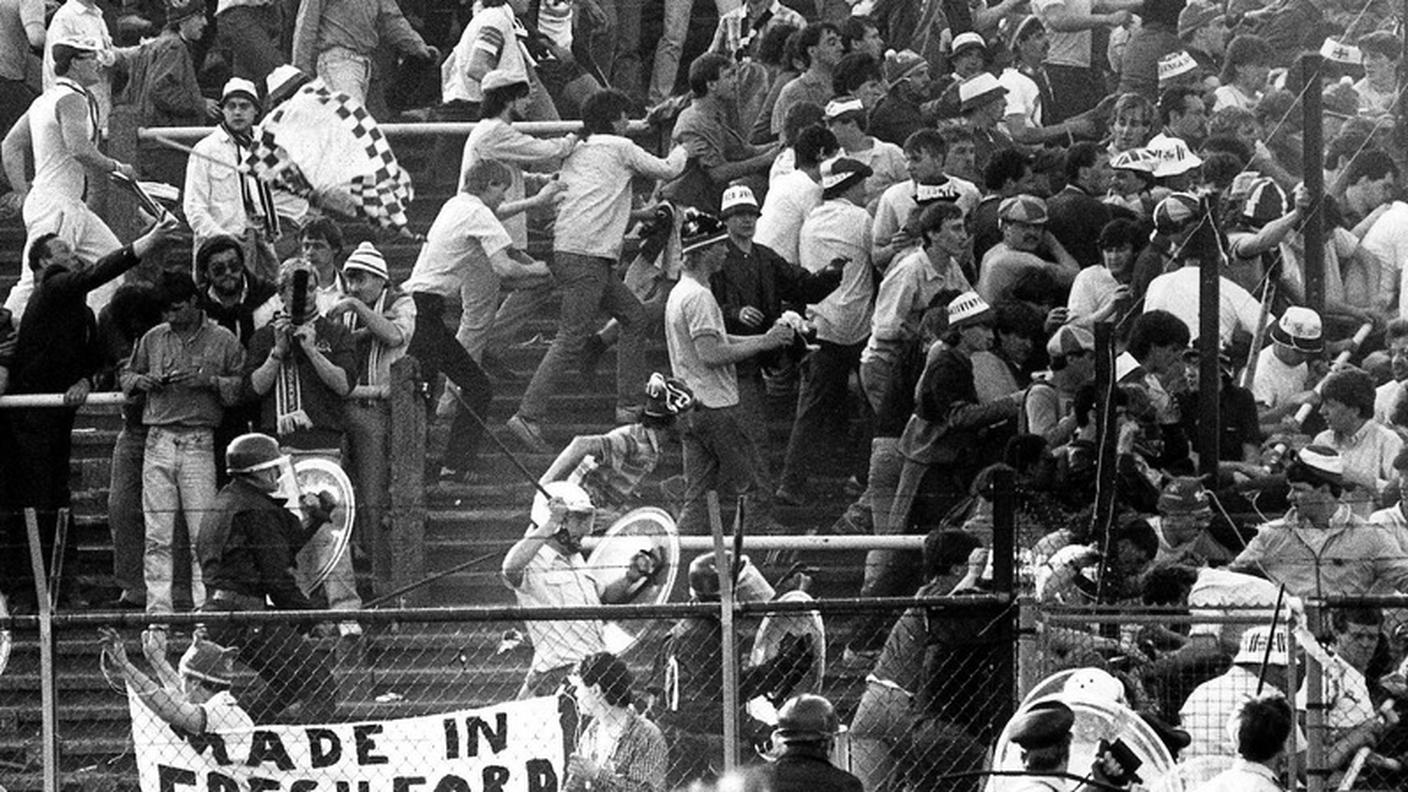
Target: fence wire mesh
[[447, 701]]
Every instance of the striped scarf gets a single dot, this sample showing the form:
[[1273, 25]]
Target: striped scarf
[[375, 349]]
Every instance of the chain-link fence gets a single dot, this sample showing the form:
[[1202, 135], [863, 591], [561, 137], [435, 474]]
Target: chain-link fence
[[504, 698]]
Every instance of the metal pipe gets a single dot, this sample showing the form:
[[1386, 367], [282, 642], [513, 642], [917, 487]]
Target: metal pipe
[[48, 693], [729, 638], [190, 134], [705, 544], [117, 398], [1313, 156]]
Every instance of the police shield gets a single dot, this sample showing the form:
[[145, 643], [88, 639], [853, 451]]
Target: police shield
[[1098, 717], [644, 539], [316, 475], [768, 643]]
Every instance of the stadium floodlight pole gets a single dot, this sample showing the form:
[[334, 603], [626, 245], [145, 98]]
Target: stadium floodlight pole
[[730, 648]]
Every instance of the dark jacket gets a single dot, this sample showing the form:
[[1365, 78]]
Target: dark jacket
[[806, 768], [1139, 70], [58, 338], [896, 118], [239, 318], [948, 420], [323, 406], [766, 281], [1076, 218], [247, 545]]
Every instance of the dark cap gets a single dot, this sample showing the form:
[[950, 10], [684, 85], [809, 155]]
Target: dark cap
[[1045, 724]]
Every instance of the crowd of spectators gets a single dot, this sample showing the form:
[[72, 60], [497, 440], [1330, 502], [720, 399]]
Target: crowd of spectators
[[915, 215]]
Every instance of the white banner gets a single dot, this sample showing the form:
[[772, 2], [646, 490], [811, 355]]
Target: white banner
[[513, 747]]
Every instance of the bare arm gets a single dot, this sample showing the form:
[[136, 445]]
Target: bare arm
[[1063, 20], [571, 456], [717, 350], [525, 549], [728, 171], [74, 128], [15, 151]]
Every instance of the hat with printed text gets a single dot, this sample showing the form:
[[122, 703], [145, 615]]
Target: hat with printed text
[[841, 174], [738, 199], [967, 309], [1253, 648], [1300, 329], [1175, 65]]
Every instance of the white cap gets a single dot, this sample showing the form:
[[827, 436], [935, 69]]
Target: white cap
[[1332, 50], [1173, 157], [969, 39], [738, 198], [237, 86], [968, 308], [282, 76], [368, 259], [1301, 329], [979, 88], [1175, 64], [1094, 686], [577, 500], [1253, 647]]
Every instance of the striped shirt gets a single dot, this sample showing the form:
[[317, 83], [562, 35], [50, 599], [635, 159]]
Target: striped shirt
[[628, 454]]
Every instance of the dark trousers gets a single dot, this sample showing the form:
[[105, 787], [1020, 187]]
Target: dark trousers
[[1074, 89], [822, 412], [437, 350], [716, 457], [293, 669], [253, 35], [37, 478]]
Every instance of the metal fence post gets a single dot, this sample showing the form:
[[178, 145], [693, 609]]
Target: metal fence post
[[730, 649], [1291, 681], [47, 683], [1315, 770], [399, 552]]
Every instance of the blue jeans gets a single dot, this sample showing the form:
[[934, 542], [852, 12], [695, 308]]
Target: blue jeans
[[178, 473], [125, 518], [715, 458], [588, 286]]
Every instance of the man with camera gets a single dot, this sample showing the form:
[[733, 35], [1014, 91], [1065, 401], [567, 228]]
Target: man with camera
[[300, 368], [189, 369]]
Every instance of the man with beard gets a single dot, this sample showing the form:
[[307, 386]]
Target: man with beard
[[218, 199]]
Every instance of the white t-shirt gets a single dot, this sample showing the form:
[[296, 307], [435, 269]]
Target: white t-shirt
[[785, 208], [898, 200], [1067, 49], [1387, 239], [494, 31], [1023, 96], [888, 166], [463, 237], [1277, 382], [691, 312], [1177, 293], [1216, 592], [1089, 291], [784, 163], [224, 717]]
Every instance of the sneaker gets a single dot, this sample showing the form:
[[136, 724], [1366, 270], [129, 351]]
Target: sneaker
[[449, 475], [349, 629], [528, 434]]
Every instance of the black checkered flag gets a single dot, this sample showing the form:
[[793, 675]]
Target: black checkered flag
[[325, 146]]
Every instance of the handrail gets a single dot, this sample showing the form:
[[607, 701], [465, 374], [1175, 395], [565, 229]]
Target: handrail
[[111, 398], [702, 544], [191, 134]]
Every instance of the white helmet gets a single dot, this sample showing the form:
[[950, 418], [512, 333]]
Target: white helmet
[[577, 500], [1093, 685]]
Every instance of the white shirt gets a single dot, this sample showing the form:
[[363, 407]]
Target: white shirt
[[212, 198], [553, 579], [1023, 96], [1385, 399], [1243, 776], [1089, 291], [225, 717], [593, 215], [785, 208], [463, 237], [494, 31], [839, 228], [74, 19], [1218, 592], [1177, 293], [784, 163], [1387, 239], [57, 174], [1277, 382], [888, 166], [898, 200], [691, 313], [496, 140], [1212, 705]]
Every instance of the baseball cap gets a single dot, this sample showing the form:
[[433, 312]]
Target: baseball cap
[[1184, 495], [239, 86], [840, 174], [1265, 202], [901, 64], [1176, 64], [1253, 647], [1023, 209], [1174, 212], [179, 10], [843, 105], [1300, 329], [738, 199]]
